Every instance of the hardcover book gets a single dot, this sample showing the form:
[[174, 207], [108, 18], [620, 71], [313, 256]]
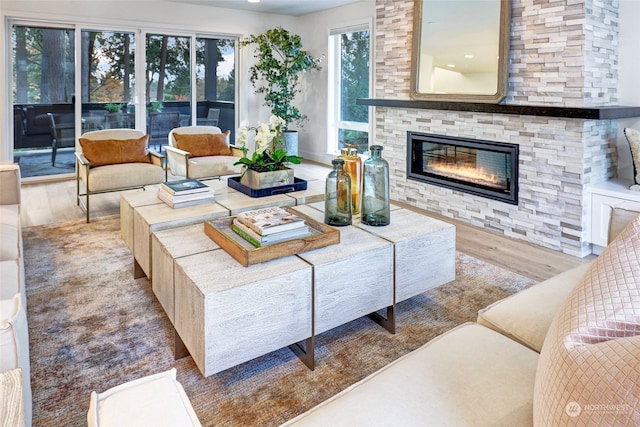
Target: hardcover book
[[169, 200], [270, 220], [257, 240], [184, 186], [182, 197]]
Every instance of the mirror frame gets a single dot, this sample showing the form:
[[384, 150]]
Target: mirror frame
[[503, 63]]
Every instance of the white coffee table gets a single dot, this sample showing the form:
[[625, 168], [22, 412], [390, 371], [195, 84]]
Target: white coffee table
[[227, 314]]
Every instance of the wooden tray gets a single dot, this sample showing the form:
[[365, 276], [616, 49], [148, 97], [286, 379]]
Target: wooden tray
[[246, 254]]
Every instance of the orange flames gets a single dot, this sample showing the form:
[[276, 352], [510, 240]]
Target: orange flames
[[469, 173]]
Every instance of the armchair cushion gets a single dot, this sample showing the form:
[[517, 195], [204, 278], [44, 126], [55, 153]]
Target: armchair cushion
[[204, 144], [101, 152]]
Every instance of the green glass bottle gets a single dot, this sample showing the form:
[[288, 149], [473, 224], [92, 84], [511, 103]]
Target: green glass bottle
[[375, 189], [337, 197]]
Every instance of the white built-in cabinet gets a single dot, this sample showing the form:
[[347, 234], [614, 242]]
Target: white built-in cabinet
[[603, 197]]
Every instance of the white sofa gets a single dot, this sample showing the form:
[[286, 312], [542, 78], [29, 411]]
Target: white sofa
[[15, 385], [522, 362]]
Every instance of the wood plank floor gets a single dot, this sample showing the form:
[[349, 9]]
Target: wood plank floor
[[55, 201]]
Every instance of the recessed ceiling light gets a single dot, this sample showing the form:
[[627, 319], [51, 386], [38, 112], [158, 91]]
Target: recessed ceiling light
[[451, 65], [254, 1], [468, 56]]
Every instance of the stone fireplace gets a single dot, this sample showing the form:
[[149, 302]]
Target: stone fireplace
[[562, 76]]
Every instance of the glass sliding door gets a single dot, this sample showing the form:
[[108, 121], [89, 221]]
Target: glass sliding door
[[168, 85], [107, 78], [215, 83], [43, 79]]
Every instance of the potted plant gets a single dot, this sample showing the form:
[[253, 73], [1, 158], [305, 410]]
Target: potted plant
[[155, 106], [113, 107], [276, 74], [269, 164]]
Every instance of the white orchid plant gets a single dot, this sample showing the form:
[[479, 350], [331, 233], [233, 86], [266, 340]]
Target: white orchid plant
[[270, 153]]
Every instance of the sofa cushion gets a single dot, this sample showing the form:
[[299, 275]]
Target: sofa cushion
[[527, 315], [11, 398], [204, 144], [588, 372], [203, 167], [14, 345], [102, 152], [126, 175], [12, 281], [633, 138], [154, 400], [470, 376], [9, 184]]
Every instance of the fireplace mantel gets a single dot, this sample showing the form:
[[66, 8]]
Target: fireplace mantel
[[589, 113]]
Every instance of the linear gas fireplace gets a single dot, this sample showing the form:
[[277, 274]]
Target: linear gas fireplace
[[483, 168]]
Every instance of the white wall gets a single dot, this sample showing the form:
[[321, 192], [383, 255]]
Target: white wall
[[628, 87]]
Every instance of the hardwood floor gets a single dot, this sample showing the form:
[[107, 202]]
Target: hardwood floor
[[55, 201]]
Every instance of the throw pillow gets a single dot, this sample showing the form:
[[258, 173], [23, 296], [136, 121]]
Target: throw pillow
[[633, 137], [588, 372], [101, 152], [204, 144]]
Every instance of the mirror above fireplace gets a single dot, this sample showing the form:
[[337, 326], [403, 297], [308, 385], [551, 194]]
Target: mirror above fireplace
[[460, 50]]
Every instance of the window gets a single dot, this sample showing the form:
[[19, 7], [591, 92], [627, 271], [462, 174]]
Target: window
[[131, 79], [215, 82], [349, 79], [107, 76], [43, 79]]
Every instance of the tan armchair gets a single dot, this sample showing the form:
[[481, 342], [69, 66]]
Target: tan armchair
[[115, 160], [189, 164]]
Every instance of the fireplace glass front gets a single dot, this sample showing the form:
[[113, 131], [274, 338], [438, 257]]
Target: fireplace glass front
[[484, 168]]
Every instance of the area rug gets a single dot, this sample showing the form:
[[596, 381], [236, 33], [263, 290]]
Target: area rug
[[92, 326]]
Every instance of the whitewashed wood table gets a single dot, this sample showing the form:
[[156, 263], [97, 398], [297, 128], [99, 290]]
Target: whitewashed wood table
[[166, 247], [147, 219], [425, 251], [351, 279], [227, 314]]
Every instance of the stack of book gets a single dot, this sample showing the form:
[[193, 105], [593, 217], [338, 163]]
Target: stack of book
[[267, 226], [186, 192]]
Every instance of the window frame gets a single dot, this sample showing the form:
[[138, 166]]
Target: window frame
[[334, 122]]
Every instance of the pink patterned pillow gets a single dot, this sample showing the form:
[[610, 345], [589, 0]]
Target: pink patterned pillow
[[589, 367]]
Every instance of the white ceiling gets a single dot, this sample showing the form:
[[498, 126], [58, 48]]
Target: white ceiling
[[281, 7]]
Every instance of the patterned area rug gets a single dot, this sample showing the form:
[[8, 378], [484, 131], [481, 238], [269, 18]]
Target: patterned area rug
[[92, 326]]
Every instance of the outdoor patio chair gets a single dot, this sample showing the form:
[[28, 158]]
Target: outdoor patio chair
[[159, 126], [63, 132], [120, 121], [115, 160], [213, 117], [201, 152]]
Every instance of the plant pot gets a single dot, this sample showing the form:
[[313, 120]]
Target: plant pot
[[290, 140], [260, 180]]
